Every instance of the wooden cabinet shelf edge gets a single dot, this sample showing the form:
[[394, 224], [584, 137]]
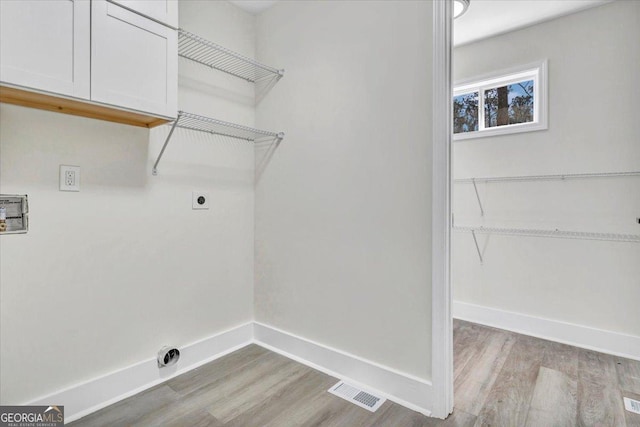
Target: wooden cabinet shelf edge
[[83, 108]]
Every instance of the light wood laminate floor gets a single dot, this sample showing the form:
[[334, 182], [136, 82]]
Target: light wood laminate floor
[[501, 379]]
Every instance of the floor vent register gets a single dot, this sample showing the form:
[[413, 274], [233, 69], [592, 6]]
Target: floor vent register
[[632, 405], [357, 396]]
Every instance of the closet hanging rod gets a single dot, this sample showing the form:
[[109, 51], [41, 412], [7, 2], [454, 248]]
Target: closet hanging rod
[[547, 177], [209, 54], [216, 127], [635, 238]]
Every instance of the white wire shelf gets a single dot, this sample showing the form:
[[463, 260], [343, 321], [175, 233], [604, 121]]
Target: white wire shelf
[[209, 54], [474, 181], [198, 123], [547, 177], [635, 238], [218, 127]]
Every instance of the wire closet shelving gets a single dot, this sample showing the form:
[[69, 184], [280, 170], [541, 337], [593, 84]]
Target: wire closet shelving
[[209, 54], [547, 177], [212, 55], [474, 181], [614, 237], [215, 127], [552, 233]]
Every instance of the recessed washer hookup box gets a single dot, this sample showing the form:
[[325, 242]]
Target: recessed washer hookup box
[[16, 212]]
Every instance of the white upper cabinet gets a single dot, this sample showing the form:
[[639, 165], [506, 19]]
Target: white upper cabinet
[[94, 51], [45, 45], [134, 61], [163, 10]]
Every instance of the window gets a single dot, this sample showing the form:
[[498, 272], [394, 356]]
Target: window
[[501, 103]]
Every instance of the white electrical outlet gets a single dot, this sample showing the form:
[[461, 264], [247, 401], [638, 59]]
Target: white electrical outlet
[[200, 200], [69, 178]]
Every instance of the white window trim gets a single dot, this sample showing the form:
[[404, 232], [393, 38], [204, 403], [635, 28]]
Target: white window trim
[[536, 71]]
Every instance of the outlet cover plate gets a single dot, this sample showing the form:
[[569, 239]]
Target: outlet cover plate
[[200, 200], [69, 178]]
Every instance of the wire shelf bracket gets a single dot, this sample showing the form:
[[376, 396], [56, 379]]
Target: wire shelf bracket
[[209, 54], [475, 240], [198, 123], [475, 187]]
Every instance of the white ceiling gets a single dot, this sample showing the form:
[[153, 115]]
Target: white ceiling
[[486, 18], [254, 6]]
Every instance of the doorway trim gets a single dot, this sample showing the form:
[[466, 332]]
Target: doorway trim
[[441, 320]]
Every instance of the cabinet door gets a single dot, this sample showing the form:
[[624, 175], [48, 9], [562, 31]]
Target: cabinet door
[[163, 10], [134, 61], [45, 45]]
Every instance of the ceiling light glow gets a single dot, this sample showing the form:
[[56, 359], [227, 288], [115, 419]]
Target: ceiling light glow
[[460, 7]]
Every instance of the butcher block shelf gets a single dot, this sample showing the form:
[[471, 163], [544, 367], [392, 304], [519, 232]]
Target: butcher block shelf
[[75, 107]]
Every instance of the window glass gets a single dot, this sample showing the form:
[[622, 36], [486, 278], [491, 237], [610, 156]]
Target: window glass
[[465, 112], [508, 105], [501, 103]]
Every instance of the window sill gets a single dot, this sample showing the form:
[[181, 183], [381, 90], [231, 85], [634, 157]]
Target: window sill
[[506, 130]]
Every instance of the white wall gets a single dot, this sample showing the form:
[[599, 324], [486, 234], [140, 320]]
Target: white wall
[[108, 275], [594, 64], [343, 207]]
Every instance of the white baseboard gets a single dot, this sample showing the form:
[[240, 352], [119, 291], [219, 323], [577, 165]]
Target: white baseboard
[[82, 399], [577, 335], [88, 397], [404, 389]]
